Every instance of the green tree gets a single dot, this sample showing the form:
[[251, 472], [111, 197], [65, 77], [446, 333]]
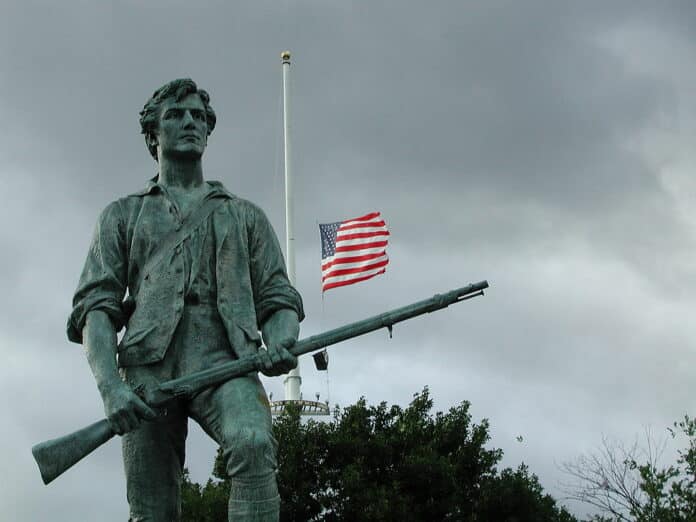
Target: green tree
[[629, 484], [205, 503], [384, 463]]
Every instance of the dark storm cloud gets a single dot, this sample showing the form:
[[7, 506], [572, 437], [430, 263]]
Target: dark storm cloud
[[501, 140]]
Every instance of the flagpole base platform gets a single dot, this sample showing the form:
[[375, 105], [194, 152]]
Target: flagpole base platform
[[306, 407]]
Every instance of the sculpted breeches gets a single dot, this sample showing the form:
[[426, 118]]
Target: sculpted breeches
[[235, 414]]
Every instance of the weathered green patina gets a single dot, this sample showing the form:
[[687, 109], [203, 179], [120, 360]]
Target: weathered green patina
[[202, 306]]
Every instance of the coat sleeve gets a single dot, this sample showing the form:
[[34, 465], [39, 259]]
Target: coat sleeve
[[104, 278], [269, 280]]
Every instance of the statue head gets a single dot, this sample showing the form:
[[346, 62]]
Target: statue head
[[178, 90]]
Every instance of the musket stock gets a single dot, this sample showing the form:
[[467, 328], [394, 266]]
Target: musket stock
[[57, 455]]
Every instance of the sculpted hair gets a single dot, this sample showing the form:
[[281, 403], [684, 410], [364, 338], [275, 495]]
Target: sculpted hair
[[177, 89]]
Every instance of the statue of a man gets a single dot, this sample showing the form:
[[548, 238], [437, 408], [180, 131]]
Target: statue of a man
[[201, 305]]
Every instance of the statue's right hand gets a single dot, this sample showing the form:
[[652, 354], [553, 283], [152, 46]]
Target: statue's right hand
[[125, 410]]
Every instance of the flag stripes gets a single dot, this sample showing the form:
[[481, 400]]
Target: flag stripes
[[353, 262], [356, 270], [352, 245], [353, 250]]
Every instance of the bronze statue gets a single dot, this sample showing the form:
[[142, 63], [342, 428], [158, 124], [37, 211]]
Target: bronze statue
[[204, 273], [201, 272]]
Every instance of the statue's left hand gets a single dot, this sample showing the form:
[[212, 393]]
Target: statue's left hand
[[277, 359], [280, 332]]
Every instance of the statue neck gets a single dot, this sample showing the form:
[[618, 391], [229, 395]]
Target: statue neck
[[181, 173]]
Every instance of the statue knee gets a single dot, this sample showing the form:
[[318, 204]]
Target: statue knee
[[250, 453]]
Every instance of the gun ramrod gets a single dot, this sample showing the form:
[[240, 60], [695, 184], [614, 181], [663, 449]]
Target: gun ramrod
[[57, 455]]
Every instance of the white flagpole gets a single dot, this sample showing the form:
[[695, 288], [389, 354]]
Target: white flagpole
[[292, 381]]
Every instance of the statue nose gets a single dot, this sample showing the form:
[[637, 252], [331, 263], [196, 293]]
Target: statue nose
[[187, 120]]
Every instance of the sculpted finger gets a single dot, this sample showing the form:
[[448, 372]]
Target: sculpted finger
[[279, 362], [275, 356], [266, 363], [115, 425], [288, 343], [122, 424], [284, 361], [290, 358], [286, 357], [130, 420], [144, 411], [268, 359]]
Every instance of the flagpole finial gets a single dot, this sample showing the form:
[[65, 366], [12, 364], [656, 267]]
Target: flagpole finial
[[285, 56]]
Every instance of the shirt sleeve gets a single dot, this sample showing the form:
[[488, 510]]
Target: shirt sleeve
[[269, 279], [103, 282]]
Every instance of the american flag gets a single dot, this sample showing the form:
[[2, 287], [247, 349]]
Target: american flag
[[353, 250]]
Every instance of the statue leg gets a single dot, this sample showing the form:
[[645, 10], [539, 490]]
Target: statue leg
[[237, 415], [153, 456]]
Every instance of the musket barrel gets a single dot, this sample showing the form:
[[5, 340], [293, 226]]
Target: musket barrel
[[387, 319], [190, 384]]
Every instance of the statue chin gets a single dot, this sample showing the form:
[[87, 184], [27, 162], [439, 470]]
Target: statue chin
[[187, 154]]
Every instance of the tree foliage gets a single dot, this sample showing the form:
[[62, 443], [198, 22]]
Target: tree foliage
[[383, 463], [628, 484]]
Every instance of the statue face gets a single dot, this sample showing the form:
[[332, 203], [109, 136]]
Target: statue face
[[183, 129]]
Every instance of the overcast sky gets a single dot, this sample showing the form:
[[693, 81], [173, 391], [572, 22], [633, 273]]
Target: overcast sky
[[547, 147]]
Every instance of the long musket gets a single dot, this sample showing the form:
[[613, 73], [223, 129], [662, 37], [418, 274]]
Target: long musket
[[57, 455]]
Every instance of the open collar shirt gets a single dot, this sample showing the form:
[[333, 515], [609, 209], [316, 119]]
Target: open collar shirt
[[249, 272]]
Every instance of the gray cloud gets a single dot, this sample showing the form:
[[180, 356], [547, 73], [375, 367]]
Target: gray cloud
[[545, 147]]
